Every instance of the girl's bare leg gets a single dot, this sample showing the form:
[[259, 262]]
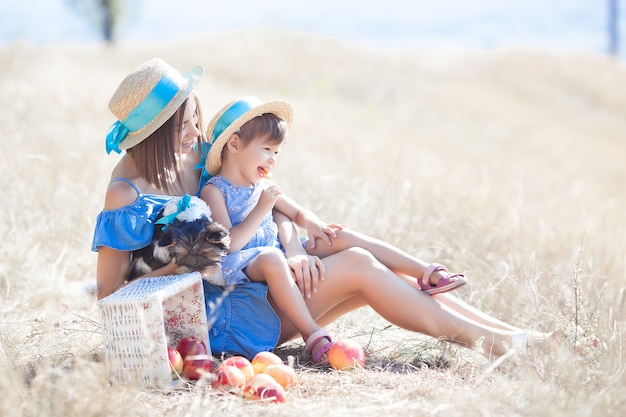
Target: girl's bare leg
[[393, 258], [355, 277], [271, 267]]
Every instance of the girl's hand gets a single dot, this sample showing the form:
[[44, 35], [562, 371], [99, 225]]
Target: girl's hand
[[269, 197], [307, 271], [325, 232]]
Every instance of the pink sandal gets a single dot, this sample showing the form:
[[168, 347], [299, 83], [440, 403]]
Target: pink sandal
[[444, 284], [313, 340]]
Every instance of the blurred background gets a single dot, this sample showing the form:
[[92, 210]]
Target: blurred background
[[406, 25]]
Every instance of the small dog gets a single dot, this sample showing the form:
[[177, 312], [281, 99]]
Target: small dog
[[184, 233]]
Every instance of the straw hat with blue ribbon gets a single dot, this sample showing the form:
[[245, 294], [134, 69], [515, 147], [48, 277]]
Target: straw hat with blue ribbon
[[234, 115], [145, 100]]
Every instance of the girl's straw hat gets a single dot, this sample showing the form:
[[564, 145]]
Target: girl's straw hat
[[234, 115], [146, 99]]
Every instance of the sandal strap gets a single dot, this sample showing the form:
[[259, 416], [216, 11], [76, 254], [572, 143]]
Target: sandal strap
[[431, 268], [320, 352], [315, 337]]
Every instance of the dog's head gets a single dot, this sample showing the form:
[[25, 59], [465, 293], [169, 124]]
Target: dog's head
[[198, 245]]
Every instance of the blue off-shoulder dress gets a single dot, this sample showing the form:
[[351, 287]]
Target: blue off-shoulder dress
[[244, 321]]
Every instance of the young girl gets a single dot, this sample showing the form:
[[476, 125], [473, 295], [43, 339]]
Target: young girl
[[355, 270], [242, 200]]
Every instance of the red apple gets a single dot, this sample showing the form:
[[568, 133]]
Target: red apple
[[264, 387], [228, 378], [176, 362], [346, 355], [264, 359], [283, 374], [195, 366], [191, 345], [242, 363]]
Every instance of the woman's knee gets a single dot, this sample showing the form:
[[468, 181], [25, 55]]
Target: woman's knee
[[348, 237], [358, 257]]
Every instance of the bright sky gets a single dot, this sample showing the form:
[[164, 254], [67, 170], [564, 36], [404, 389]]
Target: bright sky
[[560, 24]]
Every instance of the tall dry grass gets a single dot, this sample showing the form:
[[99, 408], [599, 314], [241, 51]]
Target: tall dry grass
[[505, 165]]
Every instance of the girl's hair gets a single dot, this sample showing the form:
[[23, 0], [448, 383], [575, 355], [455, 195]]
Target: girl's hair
[[155, 156], [267, 125]]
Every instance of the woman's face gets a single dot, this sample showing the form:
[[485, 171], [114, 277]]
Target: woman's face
[[189, 131]]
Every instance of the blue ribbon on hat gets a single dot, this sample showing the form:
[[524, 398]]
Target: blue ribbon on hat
[[235, 111], [183, 204], [203, 151], [148, 109]]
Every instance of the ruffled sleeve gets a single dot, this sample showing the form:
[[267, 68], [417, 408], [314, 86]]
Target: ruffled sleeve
[[127, 228]]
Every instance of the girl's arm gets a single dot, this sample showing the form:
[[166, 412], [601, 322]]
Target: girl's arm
[[241, 234], [307, 270], [306, 219]]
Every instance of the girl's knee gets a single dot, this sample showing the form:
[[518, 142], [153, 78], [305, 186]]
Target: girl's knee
[[272, 256]]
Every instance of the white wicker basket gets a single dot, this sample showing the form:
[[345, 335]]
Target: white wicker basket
[[141, 319]]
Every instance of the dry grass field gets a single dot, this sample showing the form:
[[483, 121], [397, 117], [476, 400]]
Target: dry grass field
[[506, 165]]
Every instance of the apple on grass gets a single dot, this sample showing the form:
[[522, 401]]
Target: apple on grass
[[264, 359], [228, 379], [265, 388], [346, 355], [191, 345], [196, 366], [283, 374], [176, 362], [244, 365]]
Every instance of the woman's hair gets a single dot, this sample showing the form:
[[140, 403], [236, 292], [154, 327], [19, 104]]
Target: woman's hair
[[267, 125], [155, 156]]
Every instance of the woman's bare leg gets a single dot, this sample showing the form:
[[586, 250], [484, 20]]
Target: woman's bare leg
[[473, 313], [355, 275], [405, 265], [465, 309]]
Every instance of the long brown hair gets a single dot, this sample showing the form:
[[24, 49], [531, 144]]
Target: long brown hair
[[155, 156]]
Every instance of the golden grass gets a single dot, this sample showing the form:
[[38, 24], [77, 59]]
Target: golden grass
[[505, 165]]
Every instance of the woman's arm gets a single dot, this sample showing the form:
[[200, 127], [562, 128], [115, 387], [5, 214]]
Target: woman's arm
[[307, 270], [112, 265]]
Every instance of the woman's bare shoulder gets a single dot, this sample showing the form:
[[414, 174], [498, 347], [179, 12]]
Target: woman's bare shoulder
[[124, 186], [119, 194]]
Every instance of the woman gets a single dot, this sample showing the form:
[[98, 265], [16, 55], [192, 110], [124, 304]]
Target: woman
[[158, 125]]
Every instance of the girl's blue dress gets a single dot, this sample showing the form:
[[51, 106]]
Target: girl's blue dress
[[239, 202]]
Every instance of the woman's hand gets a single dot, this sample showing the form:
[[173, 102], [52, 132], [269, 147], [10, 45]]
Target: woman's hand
[[307, 271]]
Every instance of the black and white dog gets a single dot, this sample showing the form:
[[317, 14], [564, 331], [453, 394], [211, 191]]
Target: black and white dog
[[184, 233]]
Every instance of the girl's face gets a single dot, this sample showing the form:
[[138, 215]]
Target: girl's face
[[258, 158], [189, 131]]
